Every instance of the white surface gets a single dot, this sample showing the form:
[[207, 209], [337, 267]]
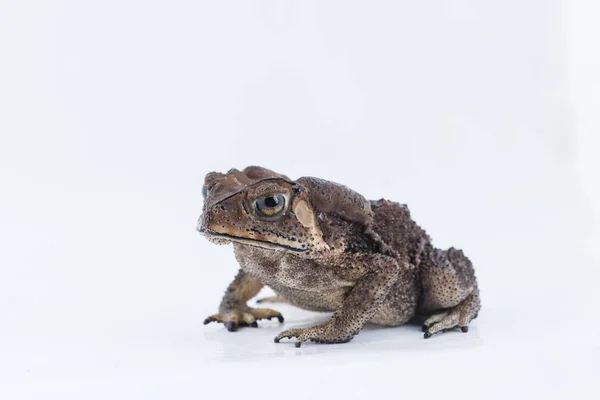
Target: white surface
[[112, 112]]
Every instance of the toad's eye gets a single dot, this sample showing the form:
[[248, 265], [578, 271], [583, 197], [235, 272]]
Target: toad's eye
[[270, 206], [204, 191]]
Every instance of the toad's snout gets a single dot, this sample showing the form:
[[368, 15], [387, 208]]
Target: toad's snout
[[209, 220], [201, 225]]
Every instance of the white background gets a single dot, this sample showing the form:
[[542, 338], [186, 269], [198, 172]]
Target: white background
[[481, 116]]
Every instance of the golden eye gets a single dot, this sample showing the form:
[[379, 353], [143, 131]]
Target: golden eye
[[270, 206]]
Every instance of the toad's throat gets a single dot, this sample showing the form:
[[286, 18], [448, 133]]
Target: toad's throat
[[251, 242]]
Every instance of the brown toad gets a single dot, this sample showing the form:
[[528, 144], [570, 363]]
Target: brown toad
[[323, 247]]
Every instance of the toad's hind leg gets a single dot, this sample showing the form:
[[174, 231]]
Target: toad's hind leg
[[459, 316], [450, 296]]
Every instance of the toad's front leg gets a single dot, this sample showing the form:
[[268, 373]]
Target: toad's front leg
[[377, 275]]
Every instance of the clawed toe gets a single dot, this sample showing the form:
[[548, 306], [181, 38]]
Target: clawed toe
[[271, 299], [231, 326], [289, 334], [278, 338], [279, 318]]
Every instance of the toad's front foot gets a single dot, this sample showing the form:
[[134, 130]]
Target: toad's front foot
[[324, 333], [243, 316]]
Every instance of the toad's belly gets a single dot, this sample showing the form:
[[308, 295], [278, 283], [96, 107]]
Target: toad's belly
[[313, 301], [310, 289], [303, 282]]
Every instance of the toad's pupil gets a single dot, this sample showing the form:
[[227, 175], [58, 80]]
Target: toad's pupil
[[271, 202]]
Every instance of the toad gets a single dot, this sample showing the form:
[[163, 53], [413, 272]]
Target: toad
[[323, 247]]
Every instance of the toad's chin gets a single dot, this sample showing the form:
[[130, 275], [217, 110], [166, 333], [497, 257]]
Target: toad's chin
[[221, 238]]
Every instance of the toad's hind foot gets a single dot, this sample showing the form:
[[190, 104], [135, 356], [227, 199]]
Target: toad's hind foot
[[459, 316], [271, 299]]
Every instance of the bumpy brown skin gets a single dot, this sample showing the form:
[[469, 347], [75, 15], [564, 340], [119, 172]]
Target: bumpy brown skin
[[324, 247]]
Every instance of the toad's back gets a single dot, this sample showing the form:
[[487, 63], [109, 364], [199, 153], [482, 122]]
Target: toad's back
[[393, 224]]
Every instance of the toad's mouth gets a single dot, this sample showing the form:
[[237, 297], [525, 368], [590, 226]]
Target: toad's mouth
[[250, 242]]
